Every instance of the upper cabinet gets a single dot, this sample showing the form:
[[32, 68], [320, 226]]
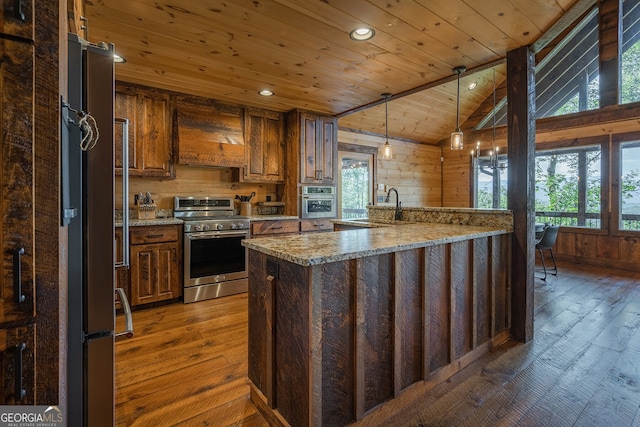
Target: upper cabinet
[[17, 18], [313, 142], [150, 131], [264, 152], [210, 133]]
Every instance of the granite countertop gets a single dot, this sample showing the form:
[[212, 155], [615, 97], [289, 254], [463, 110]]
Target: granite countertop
[[307, 249], [151, 222]]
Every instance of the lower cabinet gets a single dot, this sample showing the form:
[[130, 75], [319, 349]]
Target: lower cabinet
[[156, 264], [308, 225], [17, 356], [270, 228]]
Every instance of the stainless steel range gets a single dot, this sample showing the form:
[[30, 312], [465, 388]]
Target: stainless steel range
[[215, 262]]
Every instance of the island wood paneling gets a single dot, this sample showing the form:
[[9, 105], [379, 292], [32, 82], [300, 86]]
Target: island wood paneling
[[350, 336], [415, 170]]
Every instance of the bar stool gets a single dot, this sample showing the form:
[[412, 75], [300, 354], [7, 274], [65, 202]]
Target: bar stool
[[546, 243]]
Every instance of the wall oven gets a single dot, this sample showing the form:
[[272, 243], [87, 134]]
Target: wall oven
[[318, 201], [215, 262]]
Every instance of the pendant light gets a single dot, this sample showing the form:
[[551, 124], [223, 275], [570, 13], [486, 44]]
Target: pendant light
[[387, 153], [456, 136]]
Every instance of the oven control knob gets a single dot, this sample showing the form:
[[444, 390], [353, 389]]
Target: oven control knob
[[198, 227], [205, 227], [219, 226], [241, 225], [234, 225]]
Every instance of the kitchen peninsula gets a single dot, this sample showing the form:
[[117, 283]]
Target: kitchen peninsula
[[350, 326]]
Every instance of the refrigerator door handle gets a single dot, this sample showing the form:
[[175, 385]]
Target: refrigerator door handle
[[128, 319], [125, 192]]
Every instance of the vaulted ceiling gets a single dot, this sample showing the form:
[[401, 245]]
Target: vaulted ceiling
[[301, 50]]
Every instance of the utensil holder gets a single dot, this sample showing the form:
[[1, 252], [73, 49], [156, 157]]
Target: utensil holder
[[245, 208]]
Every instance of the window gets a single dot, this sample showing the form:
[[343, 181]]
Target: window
[[491, 182], [356, 184], [568, 187], [630, 60], [630, 186]]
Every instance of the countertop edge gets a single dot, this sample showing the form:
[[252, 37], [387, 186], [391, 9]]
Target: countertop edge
[[259, 245]]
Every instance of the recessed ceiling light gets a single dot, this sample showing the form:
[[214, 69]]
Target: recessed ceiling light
[[361, 34], [266, 92], [473, 85], [118, 59]]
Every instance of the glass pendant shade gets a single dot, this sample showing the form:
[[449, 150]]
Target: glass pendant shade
[[387, 153], [457, 141]]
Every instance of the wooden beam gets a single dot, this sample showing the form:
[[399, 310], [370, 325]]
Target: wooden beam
[[521, 191], [610, 51]]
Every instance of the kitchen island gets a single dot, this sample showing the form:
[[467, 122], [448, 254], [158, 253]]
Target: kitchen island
[[354, 325]]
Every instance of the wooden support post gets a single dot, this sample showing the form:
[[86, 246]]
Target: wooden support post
[[521, 190], [610, 51]]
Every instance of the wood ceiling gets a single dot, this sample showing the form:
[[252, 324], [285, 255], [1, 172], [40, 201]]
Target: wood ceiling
[[230, 49]]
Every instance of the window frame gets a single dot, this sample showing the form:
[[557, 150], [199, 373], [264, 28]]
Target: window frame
[[359, 149], [603, 142], [617, 140]]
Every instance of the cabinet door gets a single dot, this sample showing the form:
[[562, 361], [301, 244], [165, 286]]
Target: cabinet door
[[327, 153], [150, 134], [309, 168], [17, 300], [154, 273], [319, 149], [17, 18], [264, 152], [17, 358]]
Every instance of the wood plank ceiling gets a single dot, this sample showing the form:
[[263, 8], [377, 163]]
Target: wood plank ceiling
[[301, 50]]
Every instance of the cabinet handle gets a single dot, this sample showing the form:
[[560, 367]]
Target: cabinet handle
[[276, 228], [17, 10], [17, 276], [154, 236], [20, 392], [319, 225]]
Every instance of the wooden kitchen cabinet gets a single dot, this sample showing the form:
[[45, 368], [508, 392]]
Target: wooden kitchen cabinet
[[264, 146], [311, 225], [17, 358], [313, 143], [17, 298], [151, 150], [156, 264], [270, 228]]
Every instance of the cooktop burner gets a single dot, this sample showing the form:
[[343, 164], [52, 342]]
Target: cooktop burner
[[208, 214]]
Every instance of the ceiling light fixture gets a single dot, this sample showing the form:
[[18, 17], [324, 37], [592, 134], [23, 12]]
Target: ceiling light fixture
[[118, 59], [266, 92], [361, 34], [387, 153], [457, 142], [473, 85]]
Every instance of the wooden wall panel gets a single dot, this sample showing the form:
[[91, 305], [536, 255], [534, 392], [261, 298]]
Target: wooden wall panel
[[500, 250], [292, 337], [607, 247], [261, 327], [586, 245], [437, 295], [375, 277], [337, 365], [630, 249], [461, 299], [415, 170], [482, 297], [408, 317]]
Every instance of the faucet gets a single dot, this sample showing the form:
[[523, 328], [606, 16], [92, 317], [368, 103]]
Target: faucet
[[398, 213]]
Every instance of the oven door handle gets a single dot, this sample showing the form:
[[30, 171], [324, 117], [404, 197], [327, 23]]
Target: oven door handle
[[216, 234]]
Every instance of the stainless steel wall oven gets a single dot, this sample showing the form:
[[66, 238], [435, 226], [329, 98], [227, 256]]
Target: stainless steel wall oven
[[215, 262], [318, 202]]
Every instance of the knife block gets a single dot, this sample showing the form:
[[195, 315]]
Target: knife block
[[146, 211]]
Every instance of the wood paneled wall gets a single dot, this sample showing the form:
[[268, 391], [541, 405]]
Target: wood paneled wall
[[193, 181], [415, 170]]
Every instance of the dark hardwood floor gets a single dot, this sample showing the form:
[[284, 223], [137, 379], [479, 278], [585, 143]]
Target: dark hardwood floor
[[187, 364]]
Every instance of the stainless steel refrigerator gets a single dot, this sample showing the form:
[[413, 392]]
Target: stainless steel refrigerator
[[87, 183]]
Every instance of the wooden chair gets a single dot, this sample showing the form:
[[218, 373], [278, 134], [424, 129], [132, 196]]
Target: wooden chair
[[546, 243]]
